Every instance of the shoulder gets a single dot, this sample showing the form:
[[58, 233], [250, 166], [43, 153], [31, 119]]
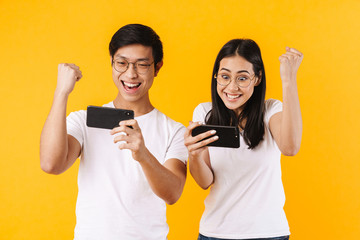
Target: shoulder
[[200, 111], [81, 114], [77, 115], [203, 107], [110, 105], [271, 103], [166, 121], [272, 106]]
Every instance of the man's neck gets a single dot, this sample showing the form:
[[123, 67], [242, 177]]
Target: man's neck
[[140, 107]]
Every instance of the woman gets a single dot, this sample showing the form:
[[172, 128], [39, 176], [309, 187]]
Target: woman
[[247, 197]]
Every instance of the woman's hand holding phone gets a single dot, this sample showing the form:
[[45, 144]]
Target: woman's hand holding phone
[[197, 144]]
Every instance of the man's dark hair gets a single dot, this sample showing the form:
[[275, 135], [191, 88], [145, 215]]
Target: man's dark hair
[[137, 34]]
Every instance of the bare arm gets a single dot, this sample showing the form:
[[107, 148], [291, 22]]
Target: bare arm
[[199, 159], [286, 126], [167, 181], [58, 150]]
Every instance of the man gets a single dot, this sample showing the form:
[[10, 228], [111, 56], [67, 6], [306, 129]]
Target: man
[[126, 174]]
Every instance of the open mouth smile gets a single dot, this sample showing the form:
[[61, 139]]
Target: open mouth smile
[[233, 96], [130, 87]]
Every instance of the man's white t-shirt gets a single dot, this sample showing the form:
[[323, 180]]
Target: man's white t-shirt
[[115, 200], [247, 197]]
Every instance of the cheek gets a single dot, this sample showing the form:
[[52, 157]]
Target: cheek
[[115, 77], [248, 91], [148, 79], [219, 89]]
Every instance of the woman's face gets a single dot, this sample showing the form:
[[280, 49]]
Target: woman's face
[[233, 96]]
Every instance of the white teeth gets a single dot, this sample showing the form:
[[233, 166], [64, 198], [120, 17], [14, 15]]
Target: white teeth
[[232, 96], [131, 85]]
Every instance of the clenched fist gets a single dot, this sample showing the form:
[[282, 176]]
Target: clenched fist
[[68, 75], [289, 64]]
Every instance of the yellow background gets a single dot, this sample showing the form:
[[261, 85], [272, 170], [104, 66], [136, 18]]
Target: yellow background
[[322, 182]]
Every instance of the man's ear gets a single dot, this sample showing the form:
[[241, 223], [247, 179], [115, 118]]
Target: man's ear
[[157, 68], [258, 79]]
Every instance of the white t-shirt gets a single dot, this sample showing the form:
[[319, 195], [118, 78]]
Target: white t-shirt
[[247, 197], [115, 200]]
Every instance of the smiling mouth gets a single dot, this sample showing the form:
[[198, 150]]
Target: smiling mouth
[[130, 86], [232, 96]]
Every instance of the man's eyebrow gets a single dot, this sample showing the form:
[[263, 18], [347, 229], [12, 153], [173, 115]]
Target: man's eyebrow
[[139, 59]]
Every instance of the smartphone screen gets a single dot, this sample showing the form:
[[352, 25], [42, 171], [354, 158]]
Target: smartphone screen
[[105, 117], [228, 135]]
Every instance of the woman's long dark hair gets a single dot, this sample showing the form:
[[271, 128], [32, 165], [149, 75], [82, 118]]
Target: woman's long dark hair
[[253, 111]]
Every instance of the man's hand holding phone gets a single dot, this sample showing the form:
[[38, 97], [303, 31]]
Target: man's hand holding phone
[[124, 128], [132, 139]]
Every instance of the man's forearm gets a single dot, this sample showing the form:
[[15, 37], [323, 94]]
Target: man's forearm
[[167, 181], [53, 141]]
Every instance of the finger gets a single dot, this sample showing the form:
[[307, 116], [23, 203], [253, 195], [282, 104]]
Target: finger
[[189, 129], [124, 145], [72, 65], [78, 76], [61, 65], [119, 129], [132, 122], [291, 54], [203, 143], [283, 59], [204, 135], [121, 138], [293, 50], [191, 126], [189, 140]]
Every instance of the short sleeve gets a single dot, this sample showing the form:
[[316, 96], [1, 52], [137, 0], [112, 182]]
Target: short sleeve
[[200, 112], [75, 124], [176, 148], [272, 106]]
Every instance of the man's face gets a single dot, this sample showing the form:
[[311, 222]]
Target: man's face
[[134, 83]]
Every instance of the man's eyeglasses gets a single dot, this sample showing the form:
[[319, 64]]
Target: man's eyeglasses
[[243, 80], [140, 66]]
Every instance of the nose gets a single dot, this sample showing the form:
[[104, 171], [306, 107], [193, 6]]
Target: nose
[[131, 71], [233, 85]]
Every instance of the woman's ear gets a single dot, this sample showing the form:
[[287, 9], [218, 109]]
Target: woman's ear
[[258, 79], [157, 68]]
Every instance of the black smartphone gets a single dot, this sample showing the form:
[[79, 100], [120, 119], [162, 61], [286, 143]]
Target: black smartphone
[[105, 117], [228, 135]]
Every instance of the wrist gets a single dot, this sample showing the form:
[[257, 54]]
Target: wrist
[[61, 93], [143, 157], [287, 82]]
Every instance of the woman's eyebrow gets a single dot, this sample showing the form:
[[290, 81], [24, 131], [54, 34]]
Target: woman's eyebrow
[[240, 71]]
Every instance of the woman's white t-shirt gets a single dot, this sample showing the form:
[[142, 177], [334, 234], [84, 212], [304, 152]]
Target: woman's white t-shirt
[[247, 197]]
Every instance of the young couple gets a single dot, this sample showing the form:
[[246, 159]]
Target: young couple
[[127, 175]]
